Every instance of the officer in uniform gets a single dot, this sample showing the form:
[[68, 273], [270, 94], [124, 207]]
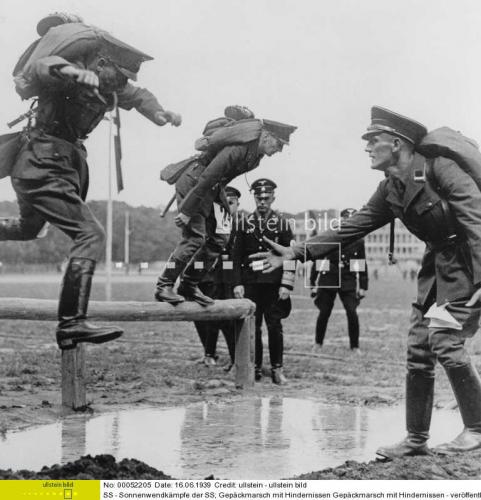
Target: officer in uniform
[[50, 175], [346, 276], [441, 207], [217, 283], [198, 187], [270, 292]]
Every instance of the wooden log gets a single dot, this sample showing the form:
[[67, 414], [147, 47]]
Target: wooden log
[[73, 378], [244, 353], [73, 360], [46, 310]]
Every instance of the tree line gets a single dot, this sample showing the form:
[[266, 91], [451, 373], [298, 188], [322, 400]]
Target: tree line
[[151, 238]]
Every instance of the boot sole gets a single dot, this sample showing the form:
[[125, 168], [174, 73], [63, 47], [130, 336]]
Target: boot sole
[[199, 301], [174, 302], [71, 343]]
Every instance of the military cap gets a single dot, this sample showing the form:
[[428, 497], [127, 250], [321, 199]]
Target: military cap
[[281, 130], [232, 192], [55, 19], [384, 120], [348, 212], [127, 58], [261, 186]]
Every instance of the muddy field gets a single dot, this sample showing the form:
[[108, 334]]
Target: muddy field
[[156, 364]]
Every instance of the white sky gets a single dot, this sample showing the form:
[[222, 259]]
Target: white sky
[[317, 64]]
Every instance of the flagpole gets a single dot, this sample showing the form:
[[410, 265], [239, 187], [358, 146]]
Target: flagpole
[[108, 247]]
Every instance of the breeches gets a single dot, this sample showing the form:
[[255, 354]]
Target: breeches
[[446, 345], [57, 203], [199, 241]]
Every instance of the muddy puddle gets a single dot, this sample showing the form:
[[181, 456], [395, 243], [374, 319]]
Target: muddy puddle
[[264, 438]]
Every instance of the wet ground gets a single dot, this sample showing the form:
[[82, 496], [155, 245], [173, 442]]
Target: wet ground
[[222, 439], [154, 368]]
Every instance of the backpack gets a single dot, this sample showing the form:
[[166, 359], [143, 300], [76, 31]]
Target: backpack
[[237, 126], [451, 144], [71, 41]]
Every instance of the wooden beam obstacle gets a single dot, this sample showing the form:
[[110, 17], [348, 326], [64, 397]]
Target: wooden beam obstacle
[[241, 311]]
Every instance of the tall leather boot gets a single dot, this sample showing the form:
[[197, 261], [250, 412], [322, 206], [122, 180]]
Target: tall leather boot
[[72, 308], [189, 288], [466, 385], [164, 291], [419, 407]]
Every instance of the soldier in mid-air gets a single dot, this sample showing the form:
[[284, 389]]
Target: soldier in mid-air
[[77, 72], [202, 183]]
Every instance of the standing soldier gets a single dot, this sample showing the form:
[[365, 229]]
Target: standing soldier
[[217, 283], [75, 87], [440, 203], [270, 292], [202, 183], [346, 276]]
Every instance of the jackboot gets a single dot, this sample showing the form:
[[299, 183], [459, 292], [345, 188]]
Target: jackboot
[[466, 385], [164, 291], [278, 376], [189, 289], [419, 407], [72, 308]]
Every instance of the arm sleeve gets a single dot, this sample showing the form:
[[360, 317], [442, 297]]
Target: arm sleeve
[[375, 214], [363, 277], [43, 70], [141, 99], [288, 277], [223, 164], [464, 197]]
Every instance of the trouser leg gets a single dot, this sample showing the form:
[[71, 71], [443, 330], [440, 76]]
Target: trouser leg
[[192, 239], [449, 346], [419, 392], [201, 262], [350, 302], [324, 301]]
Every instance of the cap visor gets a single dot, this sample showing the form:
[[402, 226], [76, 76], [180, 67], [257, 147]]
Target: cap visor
[[127, 73]]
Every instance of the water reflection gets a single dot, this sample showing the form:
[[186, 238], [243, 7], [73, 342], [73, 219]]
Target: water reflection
[[248, 439]]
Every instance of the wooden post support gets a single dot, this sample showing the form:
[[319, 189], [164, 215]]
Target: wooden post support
[[73, 378], [244, 353], [73, 360]]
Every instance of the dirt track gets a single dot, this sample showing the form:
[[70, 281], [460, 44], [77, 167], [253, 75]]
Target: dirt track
[[170, 375]]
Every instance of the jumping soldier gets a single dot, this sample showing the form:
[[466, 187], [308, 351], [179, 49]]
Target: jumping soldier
[[270, 292], [201, 184], [75, 87], [438, 202]]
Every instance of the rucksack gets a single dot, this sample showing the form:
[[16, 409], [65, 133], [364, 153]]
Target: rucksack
[[451, 144], [72, 41], [237, 126]]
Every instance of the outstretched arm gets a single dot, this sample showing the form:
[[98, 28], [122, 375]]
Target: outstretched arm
[[147, 104]]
